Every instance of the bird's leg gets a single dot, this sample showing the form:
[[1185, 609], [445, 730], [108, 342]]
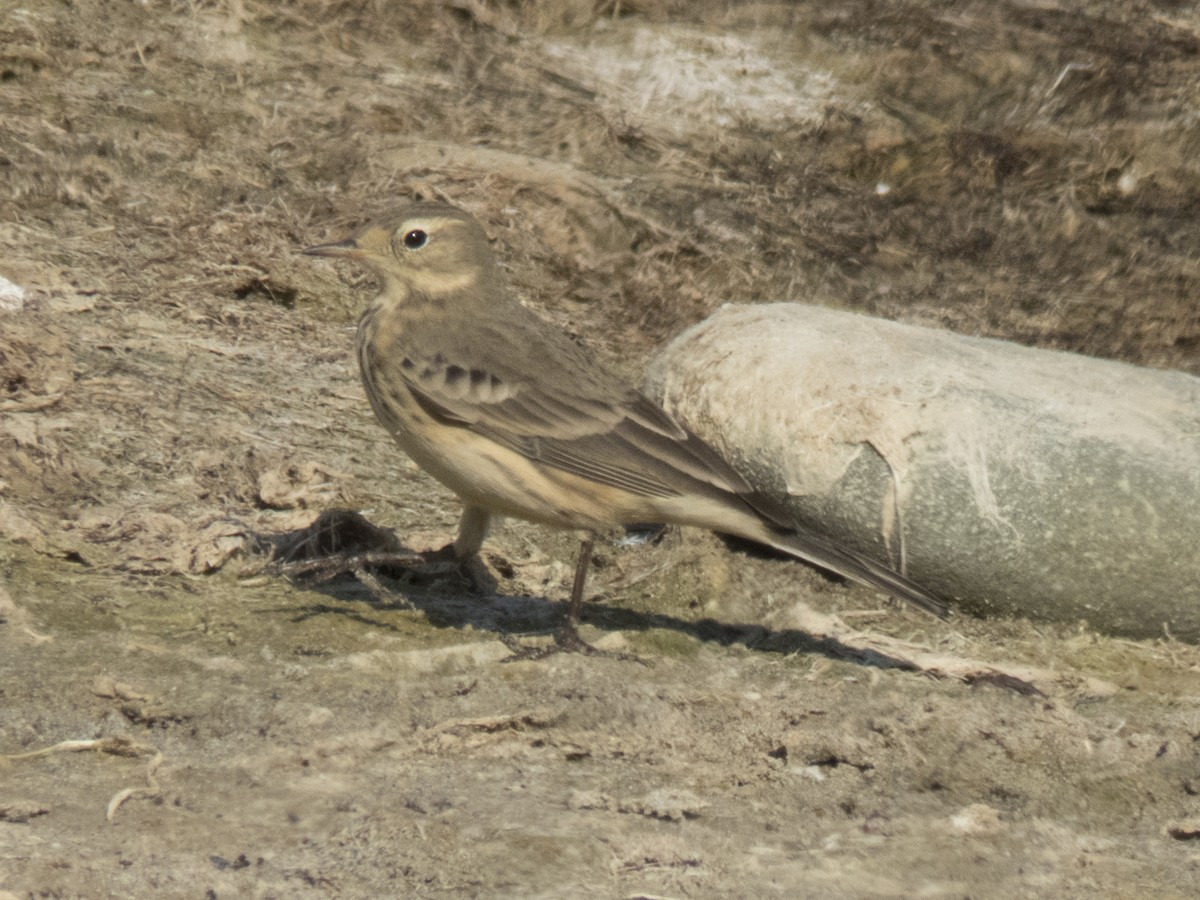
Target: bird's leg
[[567, 638], [460, 555], [472, 529]]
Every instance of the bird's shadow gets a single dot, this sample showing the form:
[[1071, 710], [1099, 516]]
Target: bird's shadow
[[449, 599]]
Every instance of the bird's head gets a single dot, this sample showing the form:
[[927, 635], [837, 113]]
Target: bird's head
[[432, 249]]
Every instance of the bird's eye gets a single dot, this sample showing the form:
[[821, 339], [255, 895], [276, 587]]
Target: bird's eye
[[416, 239]]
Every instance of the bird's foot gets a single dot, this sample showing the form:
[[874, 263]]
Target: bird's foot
[[566, 640], [443, 561], [446, 562]]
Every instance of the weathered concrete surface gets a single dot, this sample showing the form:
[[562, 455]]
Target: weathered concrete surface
[[1018, 481]]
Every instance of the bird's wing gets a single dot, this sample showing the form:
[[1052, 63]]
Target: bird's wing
[[573, 415]]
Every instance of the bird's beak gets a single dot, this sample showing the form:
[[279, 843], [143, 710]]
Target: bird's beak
[[347, 249]]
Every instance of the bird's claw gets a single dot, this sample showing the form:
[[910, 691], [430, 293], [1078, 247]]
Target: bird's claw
[[566, 640]]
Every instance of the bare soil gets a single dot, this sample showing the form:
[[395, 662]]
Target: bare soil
[[178, 397]]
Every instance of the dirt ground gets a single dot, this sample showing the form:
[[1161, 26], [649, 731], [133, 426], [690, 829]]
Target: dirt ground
[[178, 396]]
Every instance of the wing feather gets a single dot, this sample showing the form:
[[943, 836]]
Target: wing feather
[[606, 432]]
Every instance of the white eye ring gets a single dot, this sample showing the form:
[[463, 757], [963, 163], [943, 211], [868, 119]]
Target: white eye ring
[[415, 239]]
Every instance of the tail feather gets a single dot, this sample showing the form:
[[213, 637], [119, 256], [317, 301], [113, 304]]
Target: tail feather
[[820, 551], [757, 518]]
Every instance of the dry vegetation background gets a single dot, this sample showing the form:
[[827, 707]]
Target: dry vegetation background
[[177, 390]]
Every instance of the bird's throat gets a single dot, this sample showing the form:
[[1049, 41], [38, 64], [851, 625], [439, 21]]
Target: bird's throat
[[420, 286]]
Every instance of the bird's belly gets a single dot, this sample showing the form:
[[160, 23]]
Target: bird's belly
[[506, 483]]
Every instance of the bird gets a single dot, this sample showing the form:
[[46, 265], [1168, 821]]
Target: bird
[[519, 420]]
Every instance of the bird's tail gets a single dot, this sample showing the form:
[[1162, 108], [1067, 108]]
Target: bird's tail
[[758, 518], [821, 551]]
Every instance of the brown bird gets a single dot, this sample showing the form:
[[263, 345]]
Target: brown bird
[[519, 420]]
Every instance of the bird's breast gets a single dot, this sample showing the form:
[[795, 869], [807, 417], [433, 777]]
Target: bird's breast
[[379, 363]]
